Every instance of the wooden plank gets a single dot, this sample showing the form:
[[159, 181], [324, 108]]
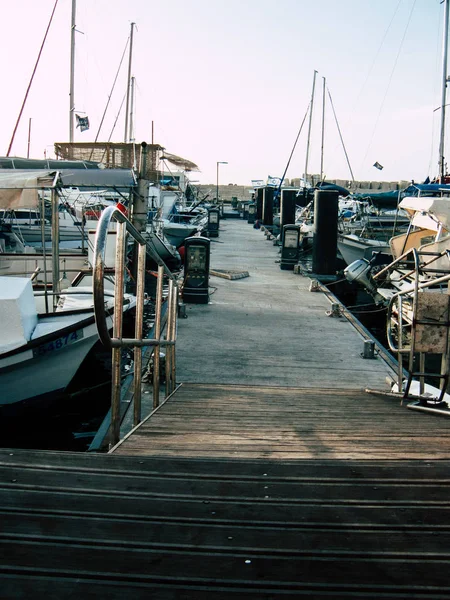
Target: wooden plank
[[240, 421]]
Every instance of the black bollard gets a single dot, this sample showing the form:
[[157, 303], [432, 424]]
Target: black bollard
[[259, 203], [325, 232], [267, 207]]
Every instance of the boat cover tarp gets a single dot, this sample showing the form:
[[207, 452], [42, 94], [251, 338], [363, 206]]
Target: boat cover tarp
[[101, 178], [380, 199], [20, 189], [17, 162]]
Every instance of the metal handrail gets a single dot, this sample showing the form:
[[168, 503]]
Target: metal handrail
[[116, 342]]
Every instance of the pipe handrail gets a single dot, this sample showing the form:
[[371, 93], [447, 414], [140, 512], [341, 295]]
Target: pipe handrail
[[116, 342]]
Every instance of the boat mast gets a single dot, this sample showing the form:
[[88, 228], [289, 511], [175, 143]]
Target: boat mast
[[323, 129], [128, 84], [444, 92], [72, 72], [131, 134], [309, 127]]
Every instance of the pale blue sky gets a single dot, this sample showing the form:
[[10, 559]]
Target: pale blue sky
[[230, 80]]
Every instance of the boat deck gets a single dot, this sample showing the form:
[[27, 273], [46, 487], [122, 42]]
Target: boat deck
[[269, 473]]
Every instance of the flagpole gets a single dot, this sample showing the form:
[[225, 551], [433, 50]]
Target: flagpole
[[72, 72]]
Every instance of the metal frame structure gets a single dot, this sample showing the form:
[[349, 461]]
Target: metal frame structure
[[117, 342], [426, 317]]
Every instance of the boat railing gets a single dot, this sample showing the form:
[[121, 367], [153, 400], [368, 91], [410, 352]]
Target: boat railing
[[117, 342], [418, 320]]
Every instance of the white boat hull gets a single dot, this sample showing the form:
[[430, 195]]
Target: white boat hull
[[353, 248], [45, 366]]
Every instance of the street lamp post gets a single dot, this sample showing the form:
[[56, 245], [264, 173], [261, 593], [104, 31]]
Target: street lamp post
[[220, 162]]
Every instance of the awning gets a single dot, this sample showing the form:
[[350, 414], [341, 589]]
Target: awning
[[178, 161], [20, 189]]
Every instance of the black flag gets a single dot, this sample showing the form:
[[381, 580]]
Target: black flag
[[82, 122]]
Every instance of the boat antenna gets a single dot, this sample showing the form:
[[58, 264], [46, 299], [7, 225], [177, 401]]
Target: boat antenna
[[341, 138], [31, 80], [309, 127], [444, 92]]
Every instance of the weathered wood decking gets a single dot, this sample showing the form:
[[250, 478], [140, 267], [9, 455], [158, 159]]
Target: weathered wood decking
[[269, 473], [232, 421]]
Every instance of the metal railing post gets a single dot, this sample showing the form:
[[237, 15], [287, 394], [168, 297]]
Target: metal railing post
[[140, 280], [117, 332], [156, 352]]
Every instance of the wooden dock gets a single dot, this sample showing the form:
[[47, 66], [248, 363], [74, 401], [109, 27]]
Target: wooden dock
[[269, 473]]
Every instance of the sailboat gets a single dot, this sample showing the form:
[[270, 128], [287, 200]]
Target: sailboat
[[419, 255]]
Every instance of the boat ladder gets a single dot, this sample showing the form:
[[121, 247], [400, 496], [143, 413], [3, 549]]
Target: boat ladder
[[166, 312]]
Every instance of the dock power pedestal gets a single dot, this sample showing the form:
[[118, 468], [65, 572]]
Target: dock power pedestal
[[290, 247], [213, 222], [196, 270]]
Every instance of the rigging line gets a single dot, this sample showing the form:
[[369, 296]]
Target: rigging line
[[113, 127], [390, 80], [377, 54], [292, 152], [340, 135], [111, 92], [31, 80]]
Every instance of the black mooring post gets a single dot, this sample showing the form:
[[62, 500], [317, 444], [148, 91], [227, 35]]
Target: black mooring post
[[259, 203], [267, 207], [287, 207], [325, 232], [288, 204]]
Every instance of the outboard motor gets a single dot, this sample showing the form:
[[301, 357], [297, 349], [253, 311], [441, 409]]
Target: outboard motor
[[359, 271]]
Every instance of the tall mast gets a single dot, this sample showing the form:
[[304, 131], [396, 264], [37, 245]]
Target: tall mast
[[323, 129], [128, 84], [309, 127], [131, 134], [72, 71], [444, 92]]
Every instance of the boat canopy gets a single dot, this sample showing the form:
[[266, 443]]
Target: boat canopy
[[427, 211], [20, 189]]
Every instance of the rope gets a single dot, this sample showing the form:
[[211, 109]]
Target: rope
[[390, 80], [31, 80], [110, 94], [340, 136]]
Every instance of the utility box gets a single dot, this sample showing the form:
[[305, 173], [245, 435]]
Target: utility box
[[213, 222], [290, 247], [196, 270], [251, 212]]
